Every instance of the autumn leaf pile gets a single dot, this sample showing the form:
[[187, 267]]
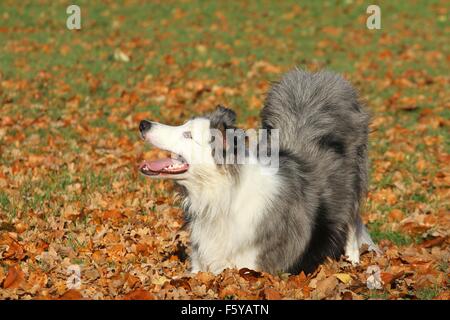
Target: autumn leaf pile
[[71, 101]]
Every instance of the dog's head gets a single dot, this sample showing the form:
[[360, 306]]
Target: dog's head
[[191, 144]]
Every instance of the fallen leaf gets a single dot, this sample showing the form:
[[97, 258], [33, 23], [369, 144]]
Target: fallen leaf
[[374, 279], [325, 287], [249, 275], [159, 280], [21, 227], [15, 250], [183, 283], [389, 278], [343, 277], [132, 280], [347, 295], [298, 281], [270, 294], [119, 55], [14, 278], [112, 214], [205, 277], [396, 215], [71, 294], [139, 294], [433, 242]]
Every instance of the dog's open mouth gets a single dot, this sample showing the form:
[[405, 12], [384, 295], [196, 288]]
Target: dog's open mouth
[[164, 166]]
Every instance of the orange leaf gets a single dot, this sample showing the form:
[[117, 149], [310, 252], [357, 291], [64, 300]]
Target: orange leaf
[[132, 280], [396, 215], [271, 294], [141, 116], [169, 60], [139, 294], [204, 277], [297, 281], [433, 242], [388, 278], [21, 227], [183, 282], [142, 248], [112, 214], [347, 295], [15, 250], [71, 294], [14, 278]]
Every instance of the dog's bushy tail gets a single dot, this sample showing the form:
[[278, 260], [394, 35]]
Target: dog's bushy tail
[[319, 115]]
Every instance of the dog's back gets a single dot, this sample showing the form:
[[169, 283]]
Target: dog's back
[[323, 166], [320, 117]]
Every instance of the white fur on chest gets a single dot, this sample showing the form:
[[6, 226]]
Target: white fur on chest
[[226, 218]]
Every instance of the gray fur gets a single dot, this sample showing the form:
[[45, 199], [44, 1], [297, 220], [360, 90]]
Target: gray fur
[[323, 162], [222, 117]]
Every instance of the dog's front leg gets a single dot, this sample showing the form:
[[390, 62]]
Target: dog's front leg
[[195, 263], [352, 247]]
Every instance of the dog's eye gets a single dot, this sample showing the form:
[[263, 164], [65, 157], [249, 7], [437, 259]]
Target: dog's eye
[[187, 135]]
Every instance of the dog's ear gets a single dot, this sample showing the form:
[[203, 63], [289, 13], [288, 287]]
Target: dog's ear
[[222, 118]]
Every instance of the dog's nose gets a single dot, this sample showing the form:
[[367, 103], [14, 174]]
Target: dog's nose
[[144, 126]]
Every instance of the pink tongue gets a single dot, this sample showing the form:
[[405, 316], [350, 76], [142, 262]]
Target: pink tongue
[[160, 164]]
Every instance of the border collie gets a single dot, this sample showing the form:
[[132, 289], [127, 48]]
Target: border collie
[[250, 214]]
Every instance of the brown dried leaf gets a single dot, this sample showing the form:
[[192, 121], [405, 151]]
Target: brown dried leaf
[[325, 287], [139, 294], [249, 275], [433, 242], [112, 214], [270, 294], [71, 294], [14, 278]]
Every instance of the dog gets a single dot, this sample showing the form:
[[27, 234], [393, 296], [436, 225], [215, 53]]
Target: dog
[[285, 219]]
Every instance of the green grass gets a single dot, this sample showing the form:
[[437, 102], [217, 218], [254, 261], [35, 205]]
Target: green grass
[[428, 293], [395, 237], [378, 295], [195, 28], [73, 242], [4, 200]]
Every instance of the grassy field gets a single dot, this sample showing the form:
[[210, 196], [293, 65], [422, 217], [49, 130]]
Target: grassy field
[[71, 101]]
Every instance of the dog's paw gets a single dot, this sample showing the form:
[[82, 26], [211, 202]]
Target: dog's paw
[[353, 257]]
